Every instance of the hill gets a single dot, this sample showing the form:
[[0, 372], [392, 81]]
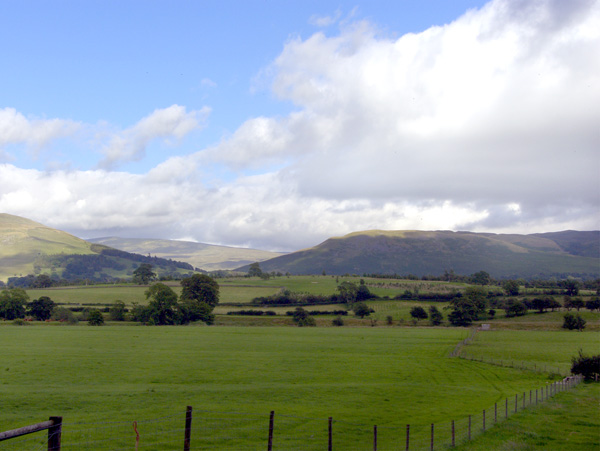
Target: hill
[[205, 256], [28, 247], [432, 253]]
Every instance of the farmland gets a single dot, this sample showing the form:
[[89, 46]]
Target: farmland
[[369, 372]]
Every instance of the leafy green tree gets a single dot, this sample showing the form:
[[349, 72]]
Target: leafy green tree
[[361, 309], [363, 293], [348, 292], [200, 288], [481, 278], [337, 321], [117, 311], [42, 281], [587, 366], [254, 270], [418, 313], [435, 316], [192, 310], [573, 322], [572, 287], [511, 287], [143, 275], [468, 308], [41, 309], [64, 315], [95, 318], [513, 308], [593, 304], [163, 309], [12, 303], [302, 318]]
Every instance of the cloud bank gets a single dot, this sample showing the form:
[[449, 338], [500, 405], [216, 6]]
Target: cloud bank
[[488, 123]]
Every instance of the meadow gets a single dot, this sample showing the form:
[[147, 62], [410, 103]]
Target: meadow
[[359, 376]]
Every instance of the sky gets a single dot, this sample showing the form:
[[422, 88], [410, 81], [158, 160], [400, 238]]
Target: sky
[[278, 124]]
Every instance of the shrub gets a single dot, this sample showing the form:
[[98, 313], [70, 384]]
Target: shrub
[[117, 311], [389, 320], [418, 313], [95, 318], [435, 316], [337, 321], [63, 315], [303, 319], [573, 322], [587, 366]]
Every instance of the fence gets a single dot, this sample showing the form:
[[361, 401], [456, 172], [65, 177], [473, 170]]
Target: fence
[[204, 429]]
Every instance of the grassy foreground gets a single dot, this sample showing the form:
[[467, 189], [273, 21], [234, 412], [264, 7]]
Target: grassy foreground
[[114, 375]]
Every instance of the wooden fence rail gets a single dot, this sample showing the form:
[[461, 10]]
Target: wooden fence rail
[[53, 425]]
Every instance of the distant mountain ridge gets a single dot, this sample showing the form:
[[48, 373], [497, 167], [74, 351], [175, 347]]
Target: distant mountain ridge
[[208, 257], [421, 253]]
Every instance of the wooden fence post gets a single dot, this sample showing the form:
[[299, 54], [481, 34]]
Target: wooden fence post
[[188, 429], [495, 412], [54, 434], [483, 420], [271, 418], [453, 435], [469, 427], [407, 436], [431, 436], [375, 438], [330, 441]]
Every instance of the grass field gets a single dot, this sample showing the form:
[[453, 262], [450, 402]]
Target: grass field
[[358, 376]]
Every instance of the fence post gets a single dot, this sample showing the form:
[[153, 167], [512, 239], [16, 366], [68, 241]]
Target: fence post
[[54, 434], [431, 436], [407, 436], [375, 438], [495, 412], [469, 427], [483, 420], [330, 442], [516, 403], [188, 429], [506, 408], [271, 418], [453, 435]]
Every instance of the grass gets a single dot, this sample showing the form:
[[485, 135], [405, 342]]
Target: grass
[[570, 421], [358, 376]]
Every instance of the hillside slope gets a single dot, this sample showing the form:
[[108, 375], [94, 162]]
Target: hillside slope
[[28, 247], [205, 256], [432, 253]]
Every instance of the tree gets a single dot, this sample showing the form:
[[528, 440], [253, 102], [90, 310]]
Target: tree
[[513, 307], [95, 318], [12, 303], [467, 308], [593, 304], [143, 275], [117, 311], [363, 293], [577, 303], [41, 309], [572, 322], [481, 278], [361, 309], [511, 287], [348, 292], [302, 318], [587, 366], [337, 321], [418, 313], [435, 316], [572, 287], [200, 288], [162, 308], [254, 270]]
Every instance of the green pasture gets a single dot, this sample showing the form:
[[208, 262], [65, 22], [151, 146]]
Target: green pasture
[[359, 376], [544, 349]]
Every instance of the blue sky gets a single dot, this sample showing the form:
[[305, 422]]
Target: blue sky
[[277, 124]]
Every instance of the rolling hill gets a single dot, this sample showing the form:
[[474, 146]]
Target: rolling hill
[[431, 253], [205, 256], [28, 247]]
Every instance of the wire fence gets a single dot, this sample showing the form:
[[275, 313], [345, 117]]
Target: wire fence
[[271, 431]]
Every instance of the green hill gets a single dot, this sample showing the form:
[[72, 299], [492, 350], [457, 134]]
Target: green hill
[[27, 247], [432, 253], [205, 256]]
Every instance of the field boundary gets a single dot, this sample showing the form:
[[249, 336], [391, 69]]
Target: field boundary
[[228, 430]]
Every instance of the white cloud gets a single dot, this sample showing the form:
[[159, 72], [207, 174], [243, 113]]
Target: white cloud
[[130, 144], [15, 128], [488, 123]]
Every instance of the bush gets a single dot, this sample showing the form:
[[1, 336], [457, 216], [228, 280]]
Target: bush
[[64, 315], [95, 318], [573, 322], [117, 311], [587, 366], [435, 316], [303, 319], [337, 321]]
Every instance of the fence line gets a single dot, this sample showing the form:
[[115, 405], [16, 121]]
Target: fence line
[[205, 429]]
